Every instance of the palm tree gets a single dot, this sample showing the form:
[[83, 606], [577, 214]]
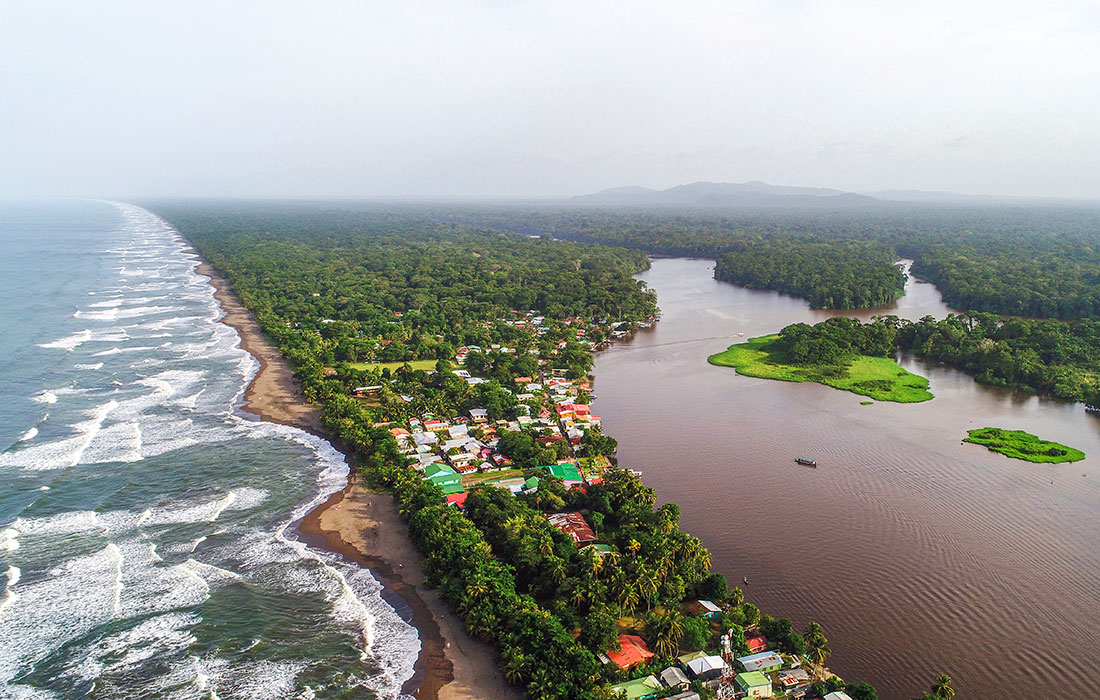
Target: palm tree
[[665, 631], [595, 561], [737, 597], [516, 665], [477, 587], [546, 545], [647, 585], [543, 684], [556, 567], [625, 595], [942, 689], [817, 644]]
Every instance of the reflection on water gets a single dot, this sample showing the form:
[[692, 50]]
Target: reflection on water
[[919, 554]]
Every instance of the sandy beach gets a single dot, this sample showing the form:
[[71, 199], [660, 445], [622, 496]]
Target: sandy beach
[[364, 526]]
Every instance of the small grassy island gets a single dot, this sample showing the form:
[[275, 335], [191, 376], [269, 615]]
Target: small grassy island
[[839, 352], [1020, 445]]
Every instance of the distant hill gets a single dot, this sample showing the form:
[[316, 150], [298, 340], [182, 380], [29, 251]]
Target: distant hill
[[725, 194], [946, 197]]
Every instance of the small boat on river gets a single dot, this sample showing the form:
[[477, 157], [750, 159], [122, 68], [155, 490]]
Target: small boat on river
[[807, 461]]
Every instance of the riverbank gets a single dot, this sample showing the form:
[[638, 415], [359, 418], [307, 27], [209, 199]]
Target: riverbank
[[365, 527], [880, 378]]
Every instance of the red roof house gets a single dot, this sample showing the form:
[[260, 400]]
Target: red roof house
[[634, 651], [574, 525], [756, 643]]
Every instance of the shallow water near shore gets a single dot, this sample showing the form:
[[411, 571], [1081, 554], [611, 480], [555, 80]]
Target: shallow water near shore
[[918, 554], [144, 523]]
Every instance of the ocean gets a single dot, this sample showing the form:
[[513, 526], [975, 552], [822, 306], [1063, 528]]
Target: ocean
[[145, 540]]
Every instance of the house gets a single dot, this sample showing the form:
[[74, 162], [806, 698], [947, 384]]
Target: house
[[434, 424], [479, 415], [754, 684], [458, 431], [686, 695], [756, 643], [640, 688], [838, 695], [574, 525], [425, 438], [443, 476], [367, 390], [632, 651], [707, 608], [457, 499], [794, 678], [566, 472], [531, 485], [426, 458], [601, 550], [674, 678], [463, 461], [706, 668], [766, 661]]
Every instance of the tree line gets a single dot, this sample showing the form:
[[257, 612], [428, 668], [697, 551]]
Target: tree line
[[1041, 261], [1049, 357]]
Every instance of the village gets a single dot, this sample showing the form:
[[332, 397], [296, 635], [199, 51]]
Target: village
[[458, 452]]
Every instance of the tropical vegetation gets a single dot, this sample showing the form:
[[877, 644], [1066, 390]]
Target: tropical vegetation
[[1018, 444]]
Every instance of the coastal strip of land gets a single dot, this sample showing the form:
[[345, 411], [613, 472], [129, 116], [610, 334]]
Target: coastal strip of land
[[364, 526]]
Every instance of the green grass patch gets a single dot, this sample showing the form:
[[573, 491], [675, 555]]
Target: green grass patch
[[426, 365], [880, 378], [866, 403], [1020, 445]]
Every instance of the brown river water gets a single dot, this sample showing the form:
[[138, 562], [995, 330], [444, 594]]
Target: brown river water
[[918, 554]]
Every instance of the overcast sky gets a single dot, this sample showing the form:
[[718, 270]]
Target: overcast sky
[[518, 98]]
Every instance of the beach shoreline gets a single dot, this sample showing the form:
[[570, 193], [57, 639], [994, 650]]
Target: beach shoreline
[[364, 527]]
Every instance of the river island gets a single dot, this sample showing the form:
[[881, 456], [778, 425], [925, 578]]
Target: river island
[[1018, 444], [826, 354]]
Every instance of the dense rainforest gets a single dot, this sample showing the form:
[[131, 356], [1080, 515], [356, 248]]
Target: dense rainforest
[[1040, 261], [335, 286], [828, 274], [1049, 357]]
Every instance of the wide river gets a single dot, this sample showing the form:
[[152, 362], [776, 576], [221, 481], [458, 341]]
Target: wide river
[[919, 554]]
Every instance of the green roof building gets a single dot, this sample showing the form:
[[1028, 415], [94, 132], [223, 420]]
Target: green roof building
[[444, 477], [565, 472], [755, 684], [640, 688], [432, 470]]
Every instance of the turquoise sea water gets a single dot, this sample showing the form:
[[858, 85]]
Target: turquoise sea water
[[144, 541]]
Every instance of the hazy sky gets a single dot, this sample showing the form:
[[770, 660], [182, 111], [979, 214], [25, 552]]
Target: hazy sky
[[546, 98]]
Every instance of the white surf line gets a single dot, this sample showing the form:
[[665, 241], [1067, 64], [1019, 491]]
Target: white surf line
[[91, 428], [9, 595], [191, 572], [222, 504], [8, 539], [29, 435], [116, 553]]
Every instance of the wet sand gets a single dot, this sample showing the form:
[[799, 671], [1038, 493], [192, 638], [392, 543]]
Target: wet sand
[[364, 526]]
